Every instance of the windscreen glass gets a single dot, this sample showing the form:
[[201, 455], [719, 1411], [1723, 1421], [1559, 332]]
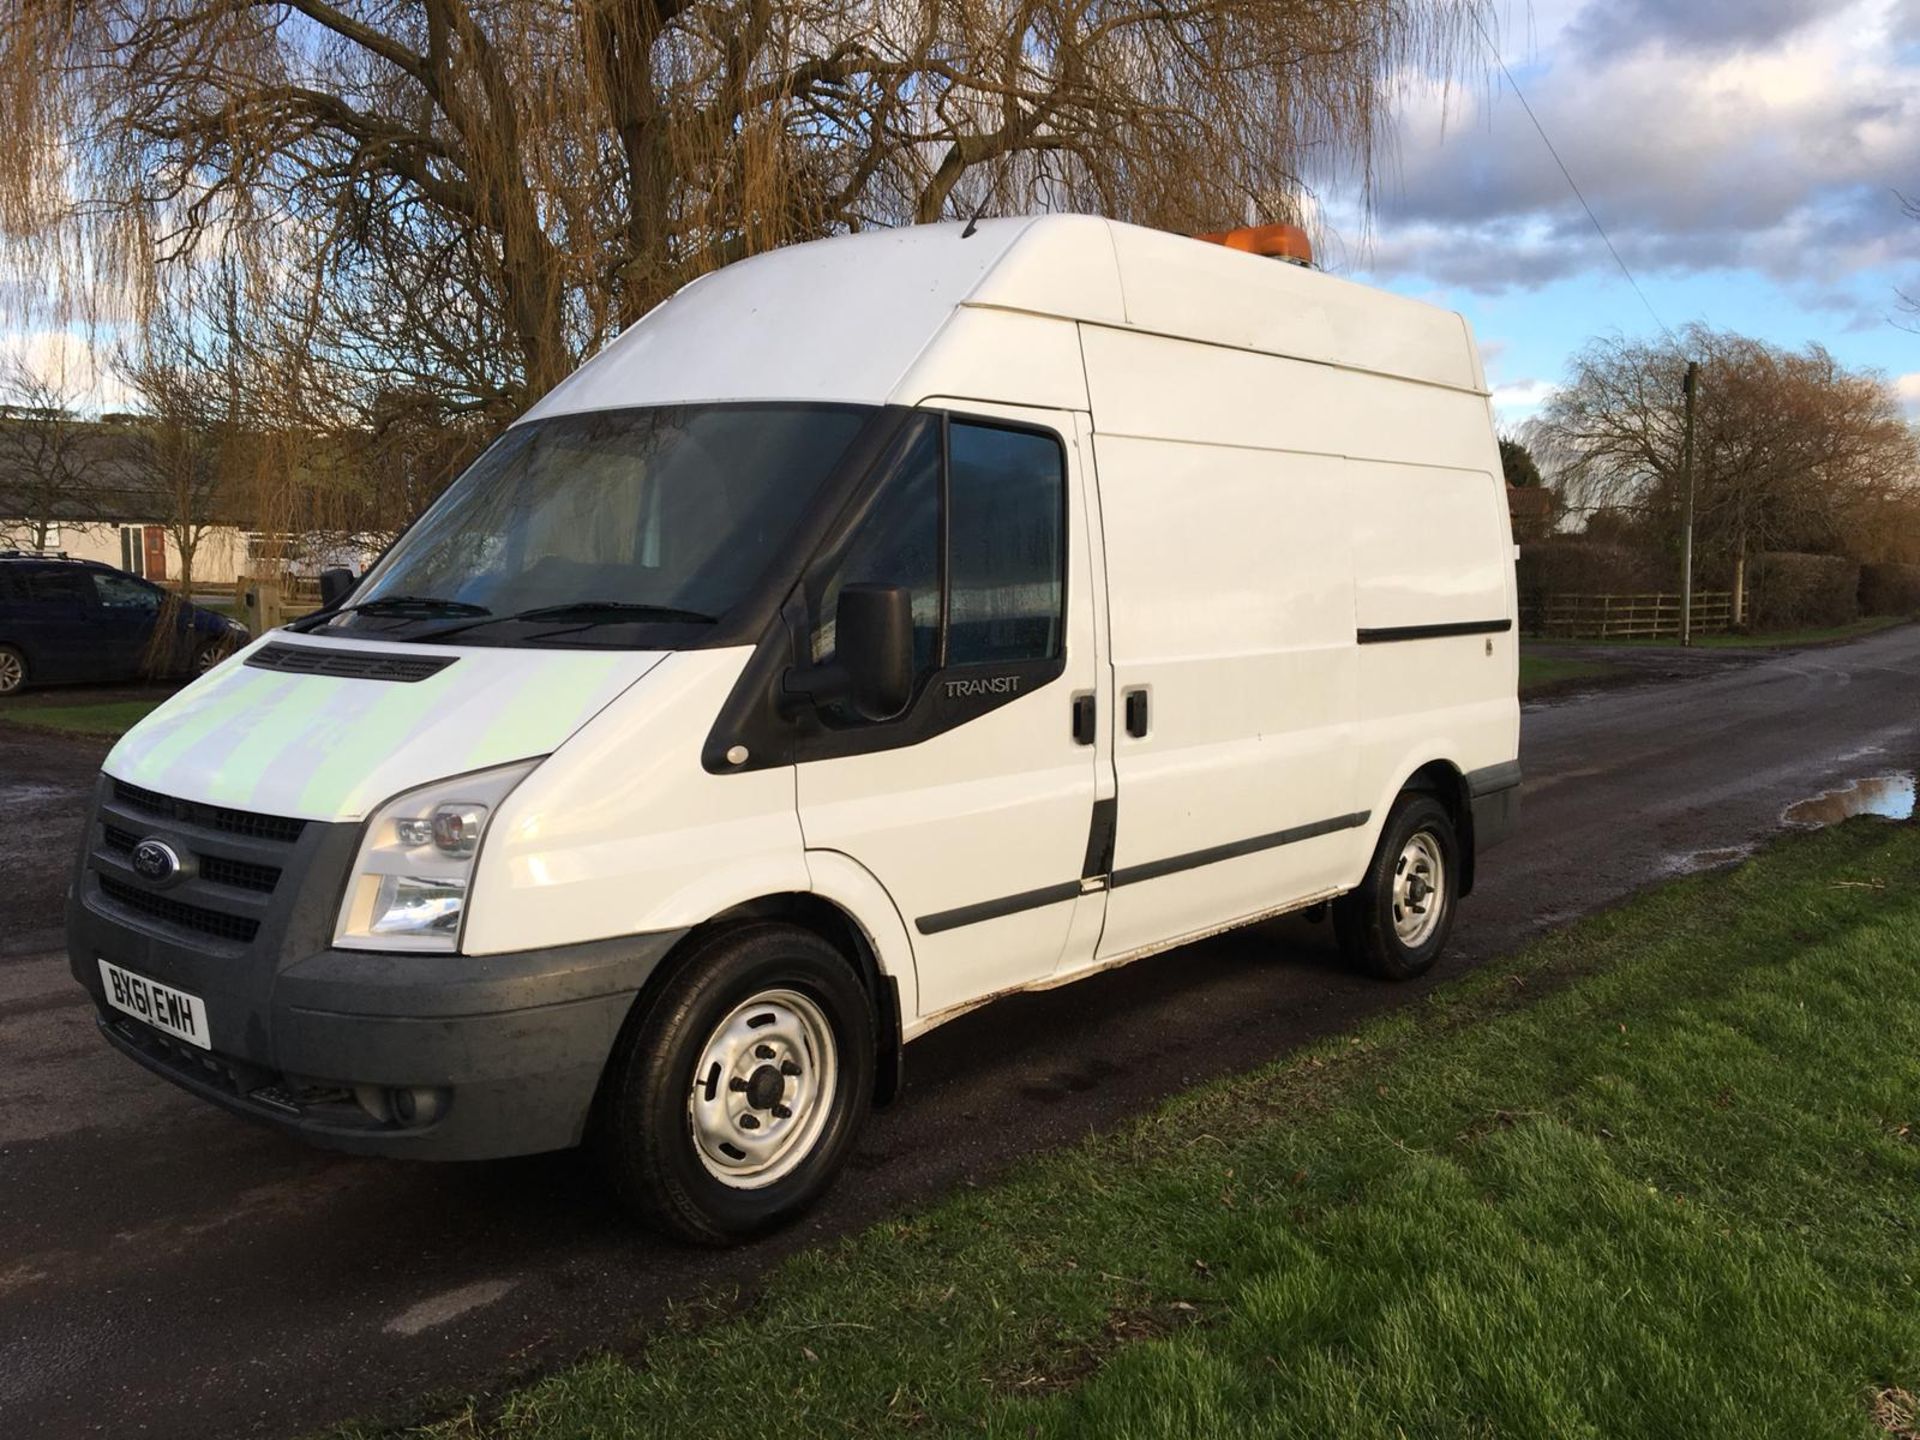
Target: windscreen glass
[[608, 521]]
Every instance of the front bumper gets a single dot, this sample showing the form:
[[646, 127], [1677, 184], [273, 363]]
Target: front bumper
[[438, 1057], [504, 1060]]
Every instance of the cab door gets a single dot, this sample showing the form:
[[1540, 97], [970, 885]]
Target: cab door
[[974, 806]]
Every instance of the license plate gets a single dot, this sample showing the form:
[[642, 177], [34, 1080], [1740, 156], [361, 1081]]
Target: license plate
[[161, 1006]]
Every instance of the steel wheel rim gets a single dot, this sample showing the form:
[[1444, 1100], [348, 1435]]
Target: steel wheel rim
[[763, 1089], [11, 672], [1419, 890]]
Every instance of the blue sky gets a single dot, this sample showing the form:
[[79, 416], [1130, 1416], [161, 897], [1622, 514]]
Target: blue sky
[[1746, 156]]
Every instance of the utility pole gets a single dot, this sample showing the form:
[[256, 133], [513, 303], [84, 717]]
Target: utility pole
[[1688, 387]]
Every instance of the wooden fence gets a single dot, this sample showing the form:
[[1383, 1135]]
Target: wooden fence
[[1625, 617], [267, 600]]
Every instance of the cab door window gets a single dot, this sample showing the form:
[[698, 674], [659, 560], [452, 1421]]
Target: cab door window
[[972, 521], [1006, 506]]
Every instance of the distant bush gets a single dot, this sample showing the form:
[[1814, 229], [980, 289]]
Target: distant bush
[[1787, 591], [1575, 566], [1890, 589]]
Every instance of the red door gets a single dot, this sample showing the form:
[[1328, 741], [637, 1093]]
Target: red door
[[156, 556]]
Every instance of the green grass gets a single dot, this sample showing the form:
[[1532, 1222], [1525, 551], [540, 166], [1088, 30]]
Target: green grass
[[102, 717], [1775, 639], [1783, 639], [1544, 672], [1659, 1175]]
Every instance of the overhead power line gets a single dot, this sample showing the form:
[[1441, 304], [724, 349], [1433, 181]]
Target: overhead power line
[[1572, 184]]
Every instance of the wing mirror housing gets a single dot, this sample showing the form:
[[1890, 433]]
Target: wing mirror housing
[[872, 667], [336, 584]]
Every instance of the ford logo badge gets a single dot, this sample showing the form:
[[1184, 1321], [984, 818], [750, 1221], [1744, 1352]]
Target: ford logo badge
[[156, 862]]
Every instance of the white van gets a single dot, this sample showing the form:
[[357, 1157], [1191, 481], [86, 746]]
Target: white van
[[881, 626]]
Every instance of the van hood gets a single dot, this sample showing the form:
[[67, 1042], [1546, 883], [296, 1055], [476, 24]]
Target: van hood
[[321, 747]]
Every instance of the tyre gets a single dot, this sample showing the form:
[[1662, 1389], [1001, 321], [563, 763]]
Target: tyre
[[1395, 923], [13, 671], [733, 1097]]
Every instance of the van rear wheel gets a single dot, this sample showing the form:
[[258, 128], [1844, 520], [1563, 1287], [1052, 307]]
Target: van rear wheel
[[1395, 923], [13, 670], [734, 1097]]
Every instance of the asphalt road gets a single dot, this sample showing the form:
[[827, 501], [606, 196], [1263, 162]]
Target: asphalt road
[[167, 1270]]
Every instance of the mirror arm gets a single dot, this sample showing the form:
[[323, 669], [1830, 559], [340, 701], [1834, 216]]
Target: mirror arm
[[814, 686]]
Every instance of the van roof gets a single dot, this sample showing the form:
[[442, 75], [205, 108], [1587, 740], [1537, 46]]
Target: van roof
[[846, 319]]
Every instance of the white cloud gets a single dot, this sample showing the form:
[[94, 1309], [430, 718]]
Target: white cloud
[[1908, 388], [1776, 148], [1521, 400]]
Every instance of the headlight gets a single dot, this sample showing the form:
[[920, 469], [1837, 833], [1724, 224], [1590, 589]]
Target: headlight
[[409, 887]]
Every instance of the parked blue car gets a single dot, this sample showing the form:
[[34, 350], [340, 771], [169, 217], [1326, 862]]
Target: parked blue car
[[66, 620]]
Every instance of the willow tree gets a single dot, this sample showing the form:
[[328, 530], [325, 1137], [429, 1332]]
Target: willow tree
[[459, 198]]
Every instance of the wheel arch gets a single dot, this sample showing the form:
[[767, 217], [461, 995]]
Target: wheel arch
[[1447, 783], [840, 928]]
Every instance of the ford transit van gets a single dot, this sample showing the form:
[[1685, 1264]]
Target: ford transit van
[[880, 626]]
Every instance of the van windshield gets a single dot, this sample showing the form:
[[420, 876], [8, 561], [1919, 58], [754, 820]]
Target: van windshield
[[580, 528]]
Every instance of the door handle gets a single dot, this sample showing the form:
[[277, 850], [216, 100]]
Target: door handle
[[1084, 719], [1137, 713]]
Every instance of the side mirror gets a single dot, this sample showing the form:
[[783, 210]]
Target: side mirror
[[336, 583], [873, 654]]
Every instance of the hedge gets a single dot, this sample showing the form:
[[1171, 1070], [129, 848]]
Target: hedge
[[1890, 589], [1787, 591]]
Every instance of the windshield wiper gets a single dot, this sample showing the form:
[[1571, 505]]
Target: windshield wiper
[[586, 613], [419, 606]]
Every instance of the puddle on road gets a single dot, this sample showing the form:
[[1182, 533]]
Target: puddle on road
[[1695, 861], [1888, 796]]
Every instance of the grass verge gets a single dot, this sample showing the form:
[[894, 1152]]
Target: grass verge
[[1657, 1175], [110, 718], [1540, 674], [1771, 640]]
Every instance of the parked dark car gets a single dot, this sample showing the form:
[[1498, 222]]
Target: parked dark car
[[64, 620]]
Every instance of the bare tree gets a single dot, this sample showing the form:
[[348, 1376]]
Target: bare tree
[[458, 199], [188, 447], [1792, 450], [43, 459]]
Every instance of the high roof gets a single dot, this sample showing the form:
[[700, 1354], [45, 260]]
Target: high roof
[[847, 319]]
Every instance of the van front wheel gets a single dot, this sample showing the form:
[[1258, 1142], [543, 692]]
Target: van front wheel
[[733, 1098], [1396, 922]]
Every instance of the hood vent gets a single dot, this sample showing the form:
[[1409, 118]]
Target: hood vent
[[349, 664]]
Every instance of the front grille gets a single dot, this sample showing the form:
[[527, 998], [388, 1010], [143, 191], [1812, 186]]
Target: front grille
[[349, 664], [169, 911], [241, 874], [214, 817]]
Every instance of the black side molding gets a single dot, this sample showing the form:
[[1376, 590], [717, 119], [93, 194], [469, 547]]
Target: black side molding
[[1101, 838], [1214, 854], [1391, 633], [994, 909]]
